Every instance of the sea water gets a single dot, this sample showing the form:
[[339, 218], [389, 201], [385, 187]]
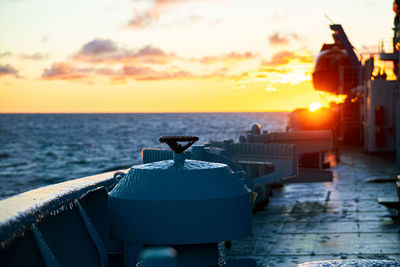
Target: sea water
[[43, 149]]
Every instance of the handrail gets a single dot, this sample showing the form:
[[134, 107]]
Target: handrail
[[19, 213]]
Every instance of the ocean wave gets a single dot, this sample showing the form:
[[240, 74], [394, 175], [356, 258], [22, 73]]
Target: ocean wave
[[41, 149]]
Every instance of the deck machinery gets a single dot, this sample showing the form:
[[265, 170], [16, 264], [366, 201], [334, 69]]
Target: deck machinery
[[370, 113]]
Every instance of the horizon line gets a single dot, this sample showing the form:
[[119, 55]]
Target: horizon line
[[147, 112]]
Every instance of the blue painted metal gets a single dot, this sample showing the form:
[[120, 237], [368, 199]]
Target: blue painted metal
[[258, 160], [131, 254], [259, 164], [197, 255], [159, 256], [118, 176], [279, 154], [188, 204], [11, 254], [95, 204], [204, 153], [47, 255], [67, 229], [98, 242], [216, 154], [149, 156], [197, 202], [19, 213]]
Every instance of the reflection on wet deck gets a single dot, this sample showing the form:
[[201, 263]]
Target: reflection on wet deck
[[324, 221]]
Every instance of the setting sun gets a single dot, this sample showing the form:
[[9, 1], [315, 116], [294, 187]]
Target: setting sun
[[314, 106]]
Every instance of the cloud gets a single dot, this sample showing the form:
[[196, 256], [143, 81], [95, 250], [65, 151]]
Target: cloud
[[285, 57], [152, 14], [285, 67], [106, 72], [5, 54], [105, 59], [281, 58], [98, 50], [153, 55], [63, 71], [277, 39], [232, 57], [145, 18], [149, 74], [35, 56], [8, 70], [98, 46], [106, 51], [67, 71], [274, 69]]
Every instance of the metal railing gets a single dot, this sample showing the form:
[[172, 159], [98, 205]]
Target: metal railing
[[385, 46], [19, 212]]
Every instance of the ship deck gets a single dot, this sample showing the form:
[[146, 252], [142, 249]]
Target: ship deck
[[323, 221]]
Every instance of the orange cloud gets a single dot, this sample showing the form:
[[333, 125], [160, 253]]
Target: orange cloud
[[277, 39], [285, 57], [141, 21], [66, 71], [149, 74], [232, 57], [105, 58], [106, 51], [274, 69], [63, 71]]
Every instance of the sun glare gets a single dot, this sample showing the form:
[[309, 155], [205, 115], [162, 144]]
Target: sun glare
[[314, 106]]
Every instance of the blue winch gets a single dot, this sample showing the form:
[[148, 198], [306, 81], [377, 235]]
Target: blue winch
[[190, 205]]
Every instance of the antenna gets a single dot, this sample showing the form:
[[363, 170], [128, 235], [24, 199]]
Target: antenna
[[329, 19]]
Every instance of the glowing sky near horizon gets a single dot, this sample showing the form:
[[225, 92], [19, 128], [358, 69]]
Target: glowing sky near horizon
[[171, 55]]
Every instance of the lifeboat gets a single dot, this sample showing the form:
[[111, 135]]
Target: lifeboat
[[333, 71]]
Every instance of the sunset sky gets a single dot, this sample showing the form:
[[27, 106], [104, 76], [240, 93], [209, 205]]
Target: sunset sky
[[173, 55]]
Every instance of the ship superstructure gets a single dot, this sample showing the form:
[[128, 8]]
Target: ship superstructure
[[368, 117]]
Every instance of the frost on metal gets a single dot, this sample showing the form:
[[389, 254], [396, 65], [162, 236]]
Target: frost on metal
[[19, 213]]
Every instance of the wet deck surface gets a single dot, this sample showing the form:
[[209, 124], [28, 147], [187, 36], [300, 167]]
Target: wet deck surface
[[325, 221]]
